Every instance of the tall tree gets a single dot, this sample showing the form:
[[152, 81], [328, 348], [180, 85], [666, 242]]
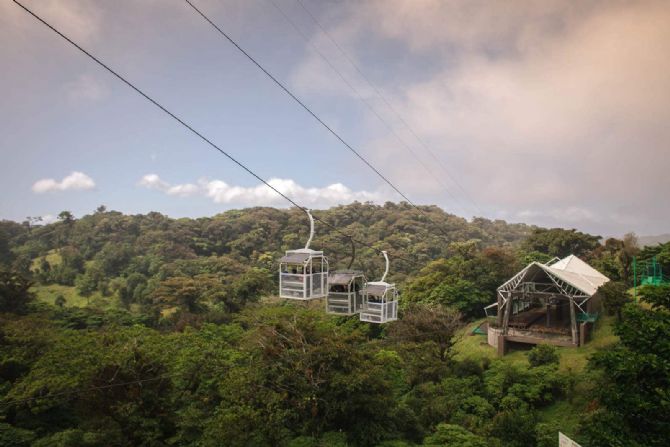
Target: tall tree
[[629, 250], [15, 292], [560, 242], [633, 397], [615, 297]]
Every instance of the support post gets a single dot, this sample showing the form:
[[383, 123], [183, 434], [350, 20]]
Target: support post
[[499, 314], [502, 345], [573, 323], [583, 333], [508, 311]]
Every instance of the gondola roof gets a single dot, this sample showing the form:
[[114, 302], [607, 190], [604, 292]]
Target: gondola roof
[[343, 277], [299, 256]]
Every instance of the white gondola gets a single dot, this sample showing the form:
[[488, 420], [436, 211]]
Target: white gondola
[[345, 289], [345, 292], [380, 300], [303, 273]]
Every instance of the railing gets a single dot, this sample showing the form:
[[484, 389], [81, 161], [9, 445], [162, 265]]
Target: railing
[[379, 312], [303, 286], [340, 303], [319, 284], [343, 303]]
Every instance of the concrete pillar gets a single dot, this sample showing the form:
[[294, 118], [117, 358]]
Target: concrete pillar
[[502, 345], [584, 329]]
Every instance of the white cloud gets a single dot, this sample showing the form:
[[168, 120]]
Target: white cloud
[[87, 88], [183, 190], [81, 20], [554, 107], [223, 193], [76, 181], [48, 219], [153, 181]]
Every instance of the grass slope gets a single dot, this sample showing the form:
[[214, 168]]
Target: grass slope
[[53, 258], [47, 293], [564, 413]]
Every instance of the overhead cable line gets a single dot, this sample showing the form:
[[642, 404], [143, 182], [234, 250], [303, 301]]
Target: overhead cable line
[[194, 131], [313, 114], [388, 104], [367, 104]]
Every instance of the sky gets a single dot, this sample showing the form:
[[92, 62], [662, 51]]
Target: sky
[[555, 113]]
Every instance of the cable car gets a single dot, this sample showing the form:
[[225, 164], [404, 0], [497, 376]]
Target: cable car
[[380, 300], [345, 289], [345, 292], [303, 273]]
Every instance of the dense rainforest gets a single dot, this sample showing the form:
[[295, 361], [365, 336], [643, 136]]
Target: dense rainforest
[[123, 330]]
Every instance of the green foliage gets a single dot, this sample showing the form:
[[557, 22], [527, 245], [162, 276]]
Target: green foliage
[[15, 437], [543, 354], [615, 297], [632, 392], [170, 335], [657, 296], [534, 256], [5, 252], [449, 435], [14, 292], [560, 242], [72, 438], [60, 301], [66, 217], [428, 324], [467, 283], [515, 425]]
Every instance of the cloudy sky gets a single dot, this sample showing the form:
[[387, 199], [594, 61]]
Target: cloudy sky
[[548, 112]]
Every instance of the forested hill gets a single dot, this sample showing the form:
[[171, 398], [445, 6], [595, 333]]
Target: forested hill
[[108, 243], [120, 330]]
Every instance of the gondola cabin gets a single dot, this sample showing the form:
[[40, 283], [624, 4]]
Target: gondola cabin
[[345, 292], [380, 302], [303, 275]]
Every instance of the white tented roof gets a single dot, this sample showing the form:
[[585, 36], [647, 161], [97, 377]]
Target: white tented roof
[[578, 273], [571, 270]]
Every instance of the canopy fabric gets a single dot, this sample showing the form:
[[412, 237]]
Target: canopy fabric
[[300, 256], [377, 288], [579, 274], [570, 269], [295, 258], [342, 278]]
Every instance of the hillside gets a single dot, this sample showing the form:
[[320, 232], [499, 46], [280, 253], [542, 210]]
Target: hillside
[[92, 251], [649, 241], [122, 330]]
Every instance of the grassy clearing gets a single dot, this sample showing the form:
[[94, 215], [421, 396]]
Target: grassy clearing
[[53, 258], [563, 413], [475, 347], [48, 293], [576, 359]]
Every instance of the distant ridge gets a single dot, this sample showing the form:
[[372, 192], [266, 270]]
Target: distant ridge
[[653, 240]]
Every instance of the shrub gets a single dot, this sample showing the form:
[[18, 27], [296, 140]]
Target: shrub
[[543, 355]]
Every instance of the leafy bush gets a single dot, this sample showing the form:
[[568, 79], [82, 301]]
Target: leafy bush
[[543, 354]]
